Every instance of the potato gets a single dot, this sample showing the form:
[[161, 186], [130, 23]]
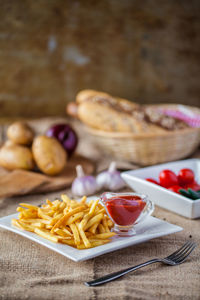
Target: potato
[[9, 143], [16, 157], [49, 155], [20, 133]]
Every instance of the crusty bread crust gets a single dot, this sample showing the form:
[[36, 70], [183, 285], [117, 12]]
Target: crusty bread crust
[[86, 94], [106, 118], [104, 112], [72, 109]]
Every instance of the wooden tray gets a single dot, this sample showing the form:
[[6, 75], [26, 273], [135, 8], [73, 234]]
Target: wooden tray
[[20, 182]]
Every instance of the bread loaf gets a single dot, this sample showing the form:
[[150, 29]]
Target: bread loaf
[[104, 112]]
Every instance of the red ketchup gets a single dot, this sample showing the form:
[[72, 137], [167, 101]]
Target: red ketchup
[[124, 210]]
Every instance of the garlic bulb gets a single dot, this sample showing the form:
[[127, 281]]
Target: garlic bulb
[[110, 179], [83, 185]]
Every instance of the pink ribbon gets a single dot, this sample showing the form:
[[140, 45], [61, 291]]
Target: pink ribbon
[[184, 114]]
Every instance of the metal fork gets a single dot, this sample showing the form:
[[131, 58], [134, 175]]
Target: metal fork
[[173, 259]]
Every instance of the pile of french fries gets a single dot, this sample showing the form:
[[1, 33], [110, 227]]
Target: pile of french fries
[[80, 224]]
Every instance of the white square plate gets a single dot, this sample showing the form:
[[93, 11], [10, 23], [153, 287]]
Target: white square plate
[[161, 196], [147, 230]]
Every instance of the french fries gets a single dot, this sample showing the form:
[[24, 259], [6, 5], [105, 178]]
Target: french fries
[[79, 224]]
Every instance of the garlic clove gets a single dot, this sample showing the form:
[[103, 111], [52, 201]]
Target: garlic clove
[[90, 185], [110, 179], [116, 182], [83, 185], [102, 180]]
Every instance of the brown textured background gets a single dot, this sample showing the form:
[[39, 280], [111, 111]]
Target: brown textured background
[[143, 50]]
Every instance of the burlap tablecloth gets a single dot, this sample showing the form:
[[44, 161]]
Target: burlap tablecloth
[[31, 271]]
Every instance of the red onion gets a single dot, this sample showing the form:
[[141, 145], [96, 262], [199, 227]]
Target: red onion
[[66, 135]]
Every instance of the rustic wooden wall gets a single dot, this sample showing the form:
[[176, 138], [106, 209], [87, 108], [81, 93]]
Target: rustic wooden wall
[[143, 50]]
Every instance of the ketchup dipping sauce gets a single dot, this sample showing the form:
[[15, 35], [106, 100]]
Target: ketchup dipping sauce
[[125, 209]]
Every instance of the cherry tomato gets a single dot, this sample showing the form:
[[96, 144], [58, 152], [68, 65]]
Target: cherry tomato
[[175, 188], [152, 180], [194, 186], [185, 176], [168, 178]]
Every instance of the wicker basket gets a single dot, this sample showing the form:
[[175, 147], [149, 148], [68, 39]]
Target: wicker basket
[[148, 149]]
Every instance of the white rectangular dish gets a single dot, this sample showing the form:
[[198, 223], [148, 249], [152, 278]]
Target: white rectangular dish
[[161, 196], [149, 229]]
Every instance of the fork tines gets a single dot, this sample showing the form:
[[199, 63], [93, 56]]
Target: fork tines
[[181, 254]]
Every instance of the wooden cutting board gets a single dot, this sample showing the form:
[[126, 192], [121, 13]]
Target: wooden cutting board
[[20, 182]]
